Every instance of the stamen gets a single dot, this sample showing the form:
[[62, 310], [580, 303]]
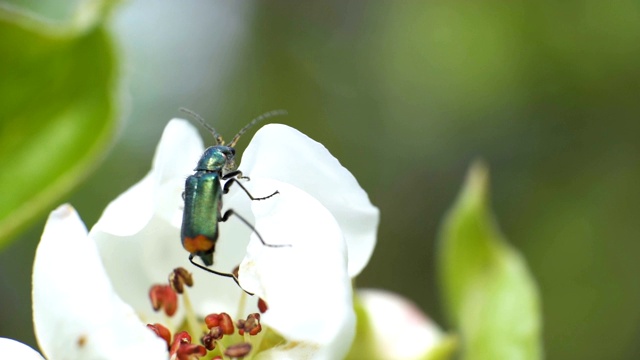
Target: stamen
[[222, 320], [162, 332], [238, 350], [180, 277], [183, 349], [250, 326], [190, 314], [190, 352], [242, 303], [209, 339], [163, 296], [262, 306], [180, 338]]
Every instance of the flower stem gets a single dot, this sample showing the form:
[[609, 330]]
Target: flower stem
[[221, 348], [242, 303], [192, 322]]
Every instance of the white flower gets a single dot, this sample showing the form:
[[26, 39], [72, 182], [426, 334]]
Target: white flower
[[12, 349], [76, 312], [398, 327], [90, 292]]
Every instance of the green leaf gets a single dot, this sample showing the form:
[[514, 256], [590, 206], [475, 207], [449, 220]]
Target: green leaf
[[57, 113], [491, 297]]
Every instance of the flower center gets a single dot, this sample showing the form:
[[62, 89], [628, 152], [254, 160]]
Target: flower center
[[216, 331]]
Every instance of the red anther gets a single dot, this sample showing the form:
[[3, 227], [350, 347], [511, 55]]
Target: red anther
[[180, 277], [262, 306], [212, 320], [162, 332], [179, 339], [251, 325], [223, 320], [190, 352], [238, 350], [163, 296], [182, 337]]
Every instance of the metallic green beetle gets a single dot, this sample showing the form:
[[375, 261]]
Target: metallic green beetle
[[203, 196]]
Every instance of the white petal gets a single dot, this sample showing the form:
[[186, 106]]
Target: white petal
[[234, 234], [135, 263], [177, 154], [282, 153], [11, 349], [400, 330], [215, 293], [77, 314], [307, 285], [130, 211], [159, 191]]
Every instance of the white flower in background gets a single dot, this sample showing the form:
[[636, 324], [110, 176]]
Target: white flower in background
[[11, 349], [399, 330], [91, 291]]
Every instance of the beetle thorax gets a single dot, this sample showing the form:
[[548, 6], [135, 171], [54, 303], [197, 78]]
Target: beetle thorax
[[216, 158]]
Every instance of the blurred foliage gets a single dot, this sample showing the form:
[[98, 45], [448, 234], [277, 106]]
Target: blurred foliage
[[489, 294], [406, 95], [59, 12], [57, 113]]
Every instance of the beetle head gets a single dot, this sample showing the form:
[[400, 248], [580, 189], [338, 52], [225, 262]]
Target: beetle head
[[217, 158]]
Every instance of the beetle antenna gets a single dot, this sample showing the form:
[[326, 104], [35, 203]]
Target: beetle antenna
[[264, 116], [213, 131]]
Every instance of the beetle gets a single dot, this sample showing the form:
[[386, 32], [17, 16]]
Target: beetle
[[203, 196]]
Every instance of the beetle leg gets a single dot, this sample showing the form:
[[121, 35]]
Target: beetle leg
[[236, 174], [231, 181], [230, 212], [218, 273]]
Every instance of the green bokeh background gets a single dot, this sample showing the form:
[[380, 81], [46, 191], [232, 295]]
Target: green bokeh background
[[406, 95]]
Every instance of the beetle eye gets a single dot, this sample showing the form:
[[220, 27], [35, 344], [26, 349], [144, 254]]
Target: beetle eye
[[233, 151]]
